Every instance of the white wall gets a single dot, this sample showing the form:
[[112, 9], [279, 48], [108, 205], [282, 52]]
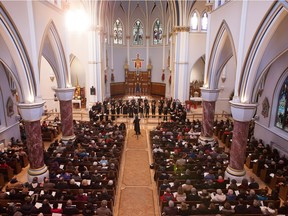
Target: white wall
[[46, 86], [9, 124], [226, 87], [264, 127]]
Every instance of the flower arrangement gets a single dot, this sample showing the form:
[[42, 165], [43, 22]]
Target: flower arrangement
[[163, 77]]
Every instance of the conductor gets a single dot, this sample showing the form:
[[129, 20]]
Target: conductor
[[136, 125]]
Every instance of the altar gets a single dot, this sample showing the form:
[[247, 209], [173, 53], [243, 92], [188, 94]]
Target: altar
[[136, 97], [77, 102], [196, 101]]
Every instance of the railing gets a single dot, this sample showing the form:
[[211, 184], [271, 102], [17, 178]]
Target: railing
[[155, 119]]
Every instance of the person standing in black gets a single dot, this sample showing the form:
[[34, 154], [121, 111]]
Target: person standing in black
[[147, 109], [136, 123], [113, 112], [153, 108], [165, 112]]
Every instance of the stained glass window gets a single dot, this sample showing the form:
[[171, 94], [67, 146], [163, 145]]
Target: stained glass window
[[282, 108], [157, 32], [118, 32], [138, 33], [204, 22], [194, 21]]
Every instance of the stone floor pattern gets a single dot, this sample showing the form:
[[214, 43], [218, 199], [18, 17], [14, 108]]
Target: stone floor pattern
[[136, 187]]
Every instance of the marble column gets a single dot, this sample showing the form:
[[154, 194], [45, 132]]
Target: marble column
[[31, 114], [208, 116], [209, 97], [242, 115], [34, 144], [65, 96]]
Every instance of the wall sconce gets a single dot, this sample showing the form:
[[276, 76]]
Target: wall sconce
[[52, 77]]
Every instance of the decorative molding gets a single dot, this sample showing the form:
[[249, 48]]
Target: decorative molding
[[10, 107], [181, 29], [265, 107]]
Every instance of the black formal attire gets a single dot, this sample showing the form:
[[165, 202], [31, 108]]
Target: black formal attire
[[136, 123]]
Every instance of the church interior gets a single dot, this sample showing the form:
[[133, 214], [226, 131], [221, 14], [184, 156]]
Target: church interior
[[165, 107]]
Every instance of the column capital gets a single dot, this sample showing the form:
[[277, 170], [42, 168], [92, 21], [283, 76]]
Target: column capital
[[31, 112], [242, 112], [181, 29], [209, 94], [65, 94]]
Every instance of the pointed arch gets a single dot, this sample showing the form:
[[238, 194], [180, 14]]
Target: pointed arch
[[222, 50], [157, 32], [138, 32], [18, 62], [261, 53], [118, 32], [194, 20], [204, 21], [52, 50]]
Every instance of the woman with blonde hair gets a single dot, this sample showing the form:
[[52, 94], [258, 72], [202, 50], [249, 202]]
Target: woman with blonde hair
[[180, 195]]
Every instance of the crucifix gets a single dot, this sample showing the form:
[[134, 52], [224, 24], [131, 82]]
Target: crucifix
[[137, 63]]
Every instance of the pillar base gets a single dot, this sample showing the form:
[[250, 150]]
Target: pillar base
[[40, 173], [206, 140], [238, 175], [65, 139]]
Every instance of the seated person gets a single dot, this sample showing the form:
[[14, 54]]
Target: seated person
[[170, 209], [104, 210], [70, 209], [28, 207], [45, 208], [227, 209], [255, 208], [55, 208], [218, 196], [14, 184]]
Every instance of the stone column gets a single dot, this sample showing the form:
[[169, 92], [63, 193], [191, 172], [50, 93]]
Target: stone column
[[31, 114], [209, 97], [180, 88], [65, 96], [242, 115]]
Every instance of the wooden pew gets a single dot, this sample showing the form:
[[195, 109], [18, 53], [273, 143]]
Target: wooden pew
[[15, 164], [275, 180], [8, 173]]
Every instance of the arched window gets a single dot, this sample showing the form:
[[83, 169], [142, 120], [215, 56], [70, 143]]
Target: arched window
[[204, 22], [194, 21], [157, 32], [118, 32], [138, 33], [282, 108]]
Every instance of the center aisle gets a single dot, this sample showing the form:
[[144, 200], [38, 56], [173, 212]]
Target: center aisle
[[136, 192]]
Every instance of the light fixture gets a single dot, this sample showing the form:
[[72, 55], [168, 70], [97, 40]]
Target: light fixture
[[77, 20]]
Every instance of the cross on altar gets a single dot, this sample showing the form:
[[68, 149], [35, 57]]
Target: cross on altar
[[138, 62]]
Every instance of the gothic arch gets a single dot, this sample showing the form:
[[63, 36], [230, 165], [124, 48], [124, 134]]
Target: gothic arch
[[265, 49], [52, 50], [77, 71], [222, 50], [16, 58]]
